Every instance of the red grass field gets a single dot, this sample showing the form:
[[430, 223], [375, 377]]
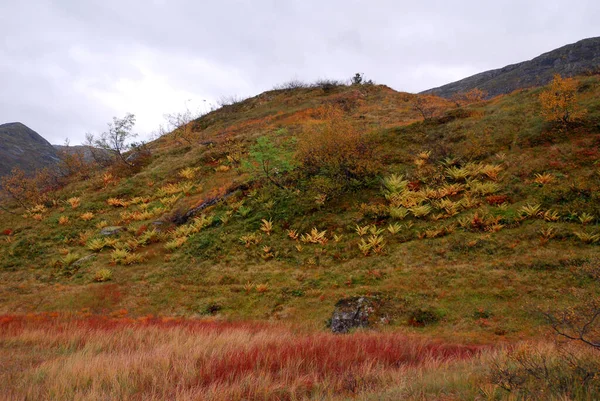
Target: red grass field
[[59, 357]]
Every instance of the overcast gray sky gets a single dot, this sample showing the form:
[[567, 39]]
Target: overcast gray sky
[[68, 66]]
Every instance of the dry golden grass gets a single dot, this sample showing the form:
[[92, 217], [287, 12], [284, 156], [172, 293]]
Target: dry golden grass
[[473, 235], [97, 358]]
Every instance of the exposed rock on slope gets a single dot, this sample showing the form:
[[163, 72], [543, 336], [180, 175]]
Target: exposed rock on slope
[[569, 60], [84, 151], [24, 148]]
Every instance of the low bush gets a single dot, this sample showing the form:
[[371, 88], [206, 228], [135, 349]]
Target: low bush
[[337, 150]]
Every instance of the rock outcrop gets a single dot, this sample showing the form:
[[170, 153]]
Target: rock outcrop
[[356, 312]]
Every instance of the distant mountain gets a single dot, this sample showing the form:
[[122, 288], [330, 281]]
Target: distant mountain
[[574, 59], [22, 147]]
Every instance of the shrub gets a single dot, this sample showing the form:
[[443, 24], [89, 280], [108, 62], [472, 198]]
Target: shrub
[[320, 186], [114, 142], [181, 125], [541, 372], [559, 101], [472, 96], [23, 189], [337, 150], [291, 85], [73, 162], [328, 85], [428, 106], [568, 370], [359, 79], [268, 160]]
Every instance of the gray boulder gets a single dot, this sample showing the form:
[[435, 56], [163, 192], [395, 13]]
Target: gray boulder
[[112, 230], [350, 313]]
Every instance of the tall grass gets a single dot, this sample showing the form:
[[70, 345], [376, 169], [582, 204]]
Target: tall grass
[[94, 358]]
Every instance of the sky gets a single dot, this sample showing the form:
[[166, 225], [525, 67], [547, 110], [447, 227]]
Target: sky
[[68, 67]]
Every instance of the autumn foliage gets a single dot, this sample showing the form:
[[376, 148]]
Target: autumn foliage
[[428, 106], [73, 164], [472, 96], [559, 101], [336, 149], [27, 190], [153, 358]]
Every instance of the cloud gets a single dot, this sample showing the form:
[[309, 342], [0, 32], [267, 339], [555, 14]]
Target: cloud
[[69, 66]]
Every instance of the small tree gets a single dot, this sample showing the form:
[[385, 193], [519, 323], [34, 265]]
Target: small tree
[[100, 156], [559, 101], [357, 79], [182, 125], [269, 160], [72, 161], [580, 323], [116, 140], [428, 106], [26, 190]]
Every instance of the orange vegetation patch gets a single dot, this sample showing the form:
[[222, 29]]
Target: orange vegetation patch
[[305, 115], [255, 123], [152, 358]]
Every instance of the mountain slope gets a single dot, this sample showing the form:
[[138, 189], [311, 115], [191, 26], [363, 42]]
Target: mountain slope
[[494, 211], [24, 148], [570, 60], [79, 150]]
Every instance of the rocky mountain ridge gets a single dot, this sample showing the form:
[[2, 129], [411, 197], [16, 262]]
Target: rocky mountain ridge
[[22, 147], [574, 59]]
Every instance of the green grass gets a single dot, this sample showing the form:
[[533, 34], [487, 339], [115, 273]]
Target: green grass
[[510, 274]]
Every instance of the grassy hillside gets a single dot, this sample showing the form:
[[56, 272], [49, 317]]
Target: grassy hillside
[[464, 227], [270, 361], [501, 211]]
